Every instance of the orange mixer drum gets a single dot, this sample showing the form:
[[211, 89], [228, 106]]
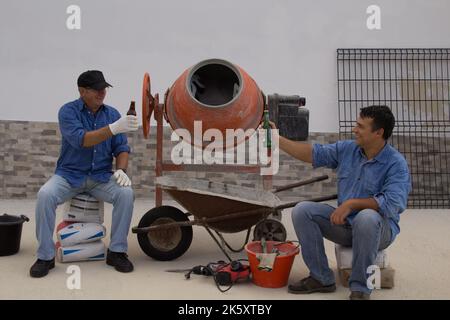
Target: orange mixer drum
[[219, 94]]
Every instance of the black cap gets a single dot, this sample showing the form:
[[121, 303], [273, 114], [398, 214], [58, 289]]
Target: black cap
[[93, 79]]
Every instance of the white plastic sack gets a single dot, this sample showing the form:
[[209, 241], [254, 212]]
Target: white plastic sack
[[82, 252], [76, 233], [84, 208]]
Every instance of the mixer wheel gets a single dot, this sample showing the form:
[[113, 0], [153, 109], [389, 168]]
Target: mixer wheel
[[164, 244], [270, 229]]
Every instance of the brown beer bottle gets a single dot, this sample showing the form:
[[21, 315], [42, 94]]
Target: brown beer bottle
[[132, 110]]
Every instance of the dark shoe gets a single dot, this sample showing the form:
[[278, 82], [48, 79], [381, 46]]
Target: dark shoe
[[357, 295], [119, 260], [310, 285], [41, 267]]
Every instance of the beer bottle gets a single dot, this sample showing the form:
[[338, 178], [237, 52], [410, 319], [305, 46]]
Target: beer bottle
[[266, 125], [132, 110]]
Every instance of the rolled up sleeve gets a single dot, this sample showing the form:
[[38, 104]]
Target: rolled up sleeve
[[120, 144], [327, 155], [71, 127], [393, 198]]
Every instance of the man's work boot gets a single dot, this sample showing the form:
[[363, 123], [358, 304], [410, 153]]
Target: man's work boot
[[357, 295], [119, 260], [41, 267], [310, 285]]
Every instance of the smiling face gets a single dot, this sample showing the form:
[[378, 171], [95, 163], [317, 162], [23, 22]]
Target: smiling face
[[364, 133], [92, 98]]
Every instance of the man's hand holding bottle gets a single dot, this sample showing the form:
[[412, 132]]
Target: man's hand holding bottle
[[124, 124]]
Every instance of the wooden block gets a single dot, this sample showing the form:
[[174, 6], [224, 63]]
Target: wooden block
[[387, 277]]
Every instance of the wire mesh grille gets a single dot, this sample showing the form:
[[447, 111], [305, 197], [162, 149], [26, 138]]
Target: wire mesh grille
[[415, 84]]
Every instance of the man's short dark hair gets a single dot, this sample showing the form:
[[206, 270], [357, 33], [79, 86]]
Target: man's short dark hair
[[382, 118]]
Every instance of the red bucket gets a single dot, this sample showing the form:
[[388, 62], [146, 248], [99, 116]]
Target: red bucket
[[279, 275]]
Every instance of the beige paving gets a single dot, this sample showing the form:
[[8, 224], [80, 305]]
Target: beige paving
[[420, 255]]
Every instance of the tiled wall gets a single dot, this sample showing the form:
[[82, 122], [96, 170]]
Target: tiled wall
[[30, 151]]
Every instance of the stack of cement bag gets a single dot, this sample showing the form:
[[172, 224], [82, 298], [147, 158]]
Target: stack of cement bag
[[81, 232]]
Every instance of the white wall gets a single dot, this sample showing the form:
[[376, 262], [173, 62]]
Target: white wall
[[287, 46]]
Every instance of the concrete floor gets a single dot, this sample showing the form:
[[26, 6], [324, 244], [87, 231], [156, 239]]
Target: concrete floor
[[420, 255]]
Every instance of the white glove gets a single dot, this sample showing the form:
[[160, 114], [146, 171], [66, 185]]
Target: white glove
[[122, 178], [124, 124]]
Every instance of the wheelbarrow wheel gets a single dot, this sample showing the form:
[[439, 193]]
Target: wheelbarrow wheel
[[168, 243]]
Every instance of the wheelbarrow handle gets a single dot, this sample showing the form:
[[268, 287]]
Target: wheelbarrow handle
[[163, 226], [318, 199], [205, 221], [300, 183]]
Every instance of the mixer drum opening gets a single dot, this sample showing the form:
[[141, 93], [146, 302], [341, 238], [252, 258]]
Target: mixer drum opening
[[218, 94], [214, 84]]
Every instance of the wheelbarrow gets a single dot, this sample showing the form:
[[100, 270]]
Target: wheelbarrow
[[165, 232]]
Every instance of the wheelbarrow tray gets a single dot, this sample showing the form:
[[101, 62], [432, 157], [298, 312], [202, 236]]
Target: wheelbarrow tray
[[205, 199]]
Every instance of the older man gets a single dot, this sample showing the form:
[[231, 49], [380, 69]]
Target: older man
[[92, 134]]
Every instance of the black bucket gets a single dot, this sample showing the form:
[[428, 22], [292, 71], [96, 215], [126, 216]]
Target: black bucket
[[10, 233]]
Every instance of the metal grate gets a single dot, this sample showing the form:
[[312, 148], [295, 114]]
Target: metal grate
[[415, 84]]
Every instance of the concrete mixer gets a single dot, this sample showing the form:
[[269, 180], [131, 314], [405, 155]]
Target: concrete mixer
[[221, 96]]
